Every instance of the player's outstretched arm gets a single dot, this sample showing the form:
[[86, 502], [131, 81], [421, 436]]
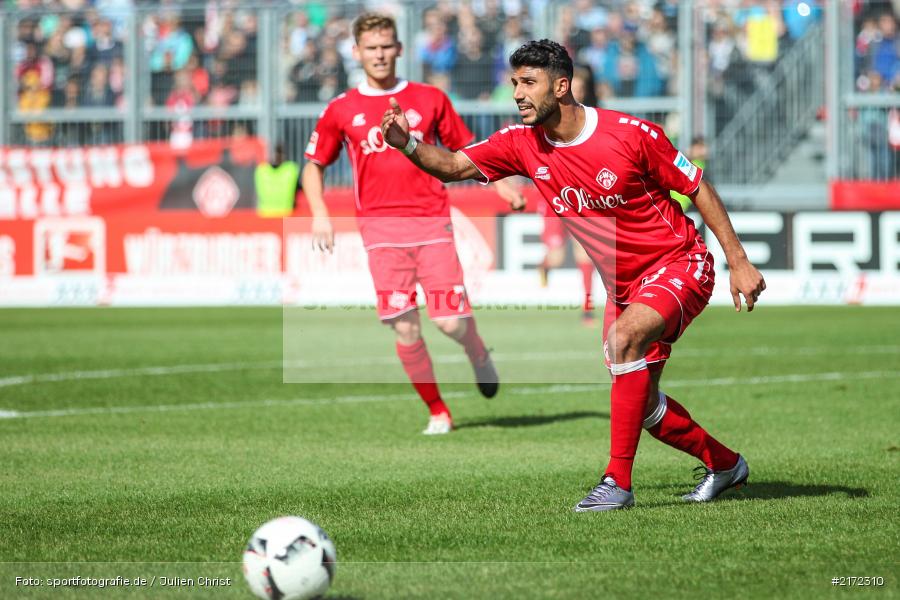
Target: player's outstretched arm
[[438, 162], [746, 279], [313, 179]]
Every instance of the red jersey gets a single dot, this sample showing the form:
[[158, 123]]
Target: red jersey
[[610, 186], [386, 183]]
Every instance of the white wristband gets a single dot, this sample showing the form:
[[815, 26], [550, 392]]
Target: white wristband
[[410, 146]]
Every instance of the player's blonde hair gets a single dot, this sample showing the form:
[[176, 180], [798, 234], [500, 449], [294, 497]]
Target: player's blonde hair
[[373, 22]]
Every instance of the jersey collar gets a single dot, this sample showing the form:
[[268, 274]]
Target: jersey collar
[[590, 126], [367, 90]]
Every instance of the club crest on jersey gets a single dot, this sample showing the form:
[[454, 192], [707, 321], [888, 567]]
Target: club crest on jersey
[[413, 117], [685, 166], [606, 179], [542, 173], [359, 120]]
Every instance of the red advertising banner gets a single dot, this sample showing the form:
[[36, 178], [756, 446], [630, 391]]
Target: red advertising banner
[[865, 195], [212, 177]]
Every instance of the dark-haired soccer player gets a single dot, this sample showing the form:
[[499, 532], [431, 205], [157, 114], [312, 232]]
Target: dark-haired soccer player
[[608, 176], [403, 214]]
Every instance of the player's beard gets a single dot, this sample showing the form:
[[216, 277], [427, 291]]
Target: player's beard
[[544, 111]]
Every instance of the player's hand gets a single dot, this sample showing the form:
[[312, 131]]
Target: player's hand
[[518, 203], [394, 126], [510, 193], [322, 234], [747, 281]]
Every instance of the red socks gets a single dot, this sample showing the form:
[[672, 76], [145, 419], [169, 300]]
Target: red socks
[[587, 277], [630, 388], [417, 364], [673, 425], [473, 343]]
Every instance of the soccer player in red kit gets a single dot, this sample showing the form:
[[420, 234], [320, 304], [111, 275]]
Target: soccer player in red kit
[[403, 214], [554, 234], [608, 178]]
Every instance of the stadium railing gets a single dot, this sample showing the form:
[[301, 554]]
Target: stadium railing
[[249, 94]]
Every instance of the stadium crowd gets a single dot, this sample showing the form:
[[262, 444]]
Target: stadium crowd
[[877, 48], [71, 52]]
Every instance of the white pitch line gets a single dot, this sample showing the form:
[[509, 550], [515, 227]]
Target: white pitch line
[[119, 410], [523, 391], [593, 357]]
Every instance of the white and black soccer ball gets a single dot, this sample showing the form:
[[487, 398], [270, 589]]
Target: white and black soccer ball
[[289, 558]]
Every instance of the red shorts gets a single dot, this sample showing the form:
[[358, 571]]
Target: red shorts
[[554, 233], [396, 271], [679, 292]]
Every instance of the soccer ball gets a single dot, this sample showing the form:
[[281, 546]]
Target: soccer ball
[[289, 558]]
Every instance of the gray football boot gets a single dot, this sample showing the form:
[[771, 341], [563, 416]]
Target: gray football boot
[[713, 483], [606, 496]]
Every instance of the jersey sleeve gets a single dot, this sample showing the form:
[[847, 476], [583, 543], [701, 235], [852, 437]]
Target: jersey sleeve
[[496, 157], [669, 167], [324, 145], [451, 129]]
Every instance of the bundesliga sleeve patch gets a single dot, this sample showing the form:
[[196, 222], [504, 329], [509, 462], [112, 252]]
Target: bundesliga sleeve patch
[[685, 166], [313, 142]]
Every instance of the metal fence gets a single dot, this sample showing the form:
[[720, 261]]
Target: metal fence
[[753, 83]]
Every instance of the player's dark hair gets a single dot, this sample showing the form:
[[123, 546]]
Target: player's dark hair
[[543, 54]]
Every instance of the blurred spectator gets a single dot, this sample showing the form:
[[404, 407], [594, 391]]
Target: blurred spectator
[[183, 96], [631, 69], [249, 94], [762, 25], [104, 49], [877, 49], [98, 92], [435, 48], [70, 95], [173, 45], [589, 18], [473, 70], [34, 63], [868, 34], [442, 82], [490, 19], [302, 76], [34, 97], [277, 183], [885, 56], [199, 77], [330, 75], [873, 124], [660, 43], [584, 87], [301, 32], [595, 55], [799, 16], [511, 38], [223, 86]]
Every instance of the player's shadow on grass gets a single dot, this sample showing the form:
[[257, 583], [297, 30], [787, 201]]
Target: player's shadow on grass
[[766, 490], [532, 420], [776, 490]]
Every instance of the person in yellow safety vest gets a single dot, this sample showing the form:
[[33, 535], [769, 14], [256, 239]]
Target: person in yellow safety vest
[[276, 186], [697, 154]]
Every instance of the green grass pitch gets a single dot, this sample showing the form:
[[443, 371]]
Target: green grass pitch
[[152, 442]]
